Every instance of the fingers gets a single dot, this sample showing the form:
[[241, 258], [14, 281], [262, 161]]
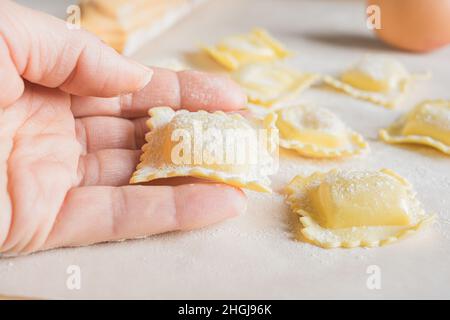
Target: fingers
[[11, 82], [98, 214], [114, 167], [190, 90], [111, 167], [101, 71], [45, 51], [98, 133]]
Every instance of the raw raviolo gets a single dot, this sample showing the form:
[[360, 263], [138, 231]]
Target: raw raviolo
[[356, 208], [215, 146], [378, 79], [316, 132], [427, 124], [257, 46], [268, 83]]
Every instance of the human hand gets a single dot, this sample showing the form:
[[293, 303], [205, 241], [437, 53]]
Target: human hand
[[66, 154]]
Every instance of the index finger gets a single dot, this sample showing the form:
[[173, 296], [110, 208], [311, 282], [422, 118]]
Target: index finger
[[191, 90]]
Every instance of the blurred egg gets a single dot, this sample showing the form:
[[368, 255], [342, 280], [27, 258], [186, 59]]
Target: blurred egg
[[414, 25]]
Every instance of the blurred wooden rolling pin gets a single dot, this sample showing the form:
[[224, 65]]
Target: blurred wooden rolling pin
[[127, 24]]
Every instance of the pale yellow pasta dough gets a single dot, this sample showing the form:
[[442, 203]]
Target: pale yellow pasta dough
[[427, 124], [316, 132], [256, 46], [375, 78], [355, 208], [216, 146], [269, 83]]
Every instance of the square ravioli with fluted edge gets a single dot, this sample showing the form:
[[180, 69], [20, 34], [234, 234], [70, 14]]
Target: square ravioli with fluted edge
[[218, 146], [427, 124], [316, 132], [268, 83], [355, 208], [235, 51], [379, 79]]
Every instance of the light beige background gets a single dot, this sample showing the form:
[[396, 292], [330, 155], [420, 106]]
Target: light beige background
[[255, 255]]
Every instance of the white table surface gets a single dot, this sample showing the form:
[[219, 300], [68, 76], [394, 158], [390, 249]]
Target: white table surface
[[256, 255]]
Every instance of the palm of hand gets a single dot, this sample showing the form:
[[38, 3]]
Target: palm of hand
[[40, 154]]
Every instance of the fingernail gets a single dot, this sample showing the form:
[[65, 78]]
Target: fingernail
[[242, 206], [146, 73], [146, 77]]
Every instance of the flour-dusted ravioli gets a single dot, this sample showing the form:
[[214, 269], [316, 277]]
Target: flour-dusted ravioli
[[268, 83], [355, 208], [216, 146], [428, 124], [235, 51], [375, 78], [316, 132]]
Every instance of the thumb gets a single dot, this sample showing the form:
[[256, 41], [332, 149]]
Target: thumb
[[45, 51]]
